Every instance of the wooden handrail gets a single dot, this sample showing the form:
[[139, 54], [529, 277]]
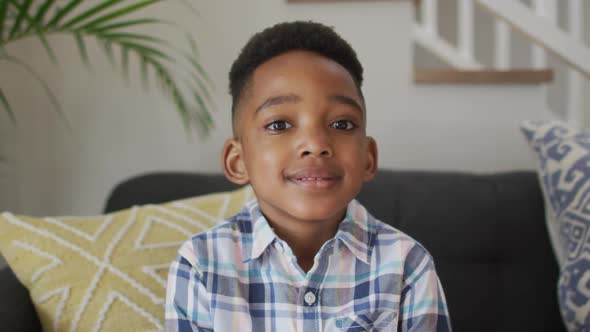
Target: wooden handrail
[[513, 76], [551, 37]]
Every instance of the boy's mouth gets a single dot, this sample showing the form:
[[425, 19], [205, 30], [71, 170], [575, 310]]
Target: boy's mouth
[[314, 178]]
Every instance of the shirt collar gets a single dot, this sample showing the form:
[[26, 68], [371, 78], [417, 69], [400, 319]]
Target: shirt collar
[[357, 231], [262, 233]]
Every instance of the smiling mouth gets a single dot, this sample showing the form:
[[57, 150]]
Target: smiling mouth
[[314, 179]]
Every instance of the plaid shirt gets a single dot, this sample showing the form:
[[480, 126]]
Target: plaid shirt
[[239, 276]]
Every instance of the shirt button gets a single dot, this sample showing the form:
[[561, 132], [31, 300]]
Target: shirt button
[[309, 298], [278, 247]]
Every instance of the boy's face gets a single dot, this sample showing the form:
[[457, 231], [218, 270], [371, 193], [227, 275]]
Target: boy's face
[[300, 139]]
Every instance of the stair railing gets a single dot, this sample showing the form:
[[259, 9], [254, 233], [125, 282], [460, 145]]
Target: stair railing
[[538, 22]]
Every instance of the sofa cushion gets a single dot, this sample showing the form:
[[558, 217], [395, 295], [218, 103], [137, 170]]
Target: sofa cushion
[[485, 232], [488, 240], [563, 159], [106, 273]]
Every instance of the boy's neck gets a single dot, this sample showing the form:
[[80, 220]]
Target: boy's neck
[[306, 237]]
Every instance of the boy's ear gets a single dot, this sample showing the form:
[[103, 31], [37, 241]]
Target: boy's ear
[[372, 156], [232, 162]]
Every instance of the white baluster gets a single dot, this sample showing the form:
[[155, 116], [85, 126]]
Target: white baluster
[[545, 9], [574, 91], [430, 16], [465, 28], [502, 46], [548, 10]]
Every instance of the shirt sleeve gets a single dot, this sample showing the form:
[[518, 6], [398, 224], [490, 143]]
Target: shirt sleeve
[[423, 305], [187, 299]]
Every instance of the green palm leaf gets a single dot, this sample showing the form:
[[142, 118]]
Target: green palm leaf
[[52, 98], [107, 23], [108, 50], [142, 49], [89, 13], [125, 61], [144, 70], [82, 48], [23, 12], [6, 106], [24, 15], [60, 14], [3, 15], [119, 25], [47, 46], [40, 15], [109, 17], [132, 37]]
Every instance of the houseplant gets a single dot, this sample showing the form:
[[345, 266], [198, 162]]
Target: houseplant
[[118, 28], [111, 24]]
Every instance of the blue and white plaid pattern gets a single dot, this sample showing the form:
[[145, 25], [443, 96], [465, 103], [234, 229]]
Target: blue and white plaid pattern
[[239, 276]]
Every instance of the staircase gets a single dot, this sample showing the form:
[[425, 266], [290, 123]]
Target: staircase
[[535, 22]]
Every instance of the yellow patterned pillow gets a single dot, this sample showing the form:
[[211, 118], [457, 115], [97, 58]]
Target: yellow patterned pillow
[[107, 273]]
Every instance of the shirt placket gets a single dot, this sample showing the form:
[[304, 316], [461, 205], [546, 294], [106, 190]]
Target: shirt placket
[[309, 295]]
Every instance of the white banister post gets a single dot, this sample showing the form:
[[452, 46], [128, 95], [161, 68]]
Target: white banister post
[[546, 9], [465, 28], [550, 36], [502, 45], [430, 16], [543, 9], [574, 91]]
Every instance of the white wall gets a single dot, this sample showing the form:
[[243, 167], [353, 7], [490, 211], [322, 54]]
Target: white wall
[[587, 81], [121, 130]]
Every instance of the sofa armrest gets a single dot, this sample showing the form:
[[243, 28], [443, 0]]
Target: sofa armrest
[[17, 313]]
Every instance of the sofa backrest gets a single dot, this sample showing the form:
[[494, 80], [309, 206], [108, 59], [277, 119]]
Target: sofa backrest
[[486, 233]]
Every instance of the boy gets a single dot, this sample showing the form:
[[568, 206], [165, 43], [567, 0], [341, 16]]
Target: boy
[[303, 256]]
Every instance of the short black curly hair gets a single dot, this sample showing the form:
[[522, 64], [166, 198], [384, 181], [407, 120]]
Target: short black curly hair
[[290, 36]]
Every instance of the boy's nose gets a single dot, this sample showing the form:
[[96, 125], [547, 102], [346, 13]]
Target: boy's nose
[[315, 143]]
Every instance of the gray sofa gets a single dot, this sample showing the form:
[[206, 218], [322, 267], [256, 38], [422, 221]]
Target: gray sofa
[[486, 232]]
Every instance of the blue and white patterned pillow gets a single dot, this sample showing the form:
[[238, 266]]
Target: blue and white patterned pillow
[[563, 160]]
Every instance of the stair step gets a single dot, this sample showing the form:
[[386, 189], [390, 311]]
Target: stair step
[[512, 76]]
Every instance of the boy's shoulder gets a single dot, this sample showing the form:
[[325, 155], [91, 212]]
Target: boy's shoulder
[[232, 232], [375, 226], [238, 224], [389, 236], [386, 231], [394, 244], [378, 243]]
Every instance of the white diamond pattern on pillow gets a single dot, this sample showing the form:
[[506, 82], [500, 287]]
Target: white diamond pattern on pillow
[[563, 160], [107, 273]]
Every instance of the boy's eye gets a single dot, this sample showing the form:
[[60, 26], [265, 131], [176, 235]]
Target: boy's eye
[[278, 125], [343, 125]]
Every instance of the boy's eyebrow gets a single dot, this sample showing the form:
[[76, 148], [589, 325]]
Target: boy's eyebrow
[[293, 99], [347, 100], [277, 100]]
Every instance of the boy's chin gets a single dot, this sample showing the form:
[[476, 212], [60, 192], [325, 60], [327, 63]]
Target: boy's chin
[[318, 211], [305, 208]]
